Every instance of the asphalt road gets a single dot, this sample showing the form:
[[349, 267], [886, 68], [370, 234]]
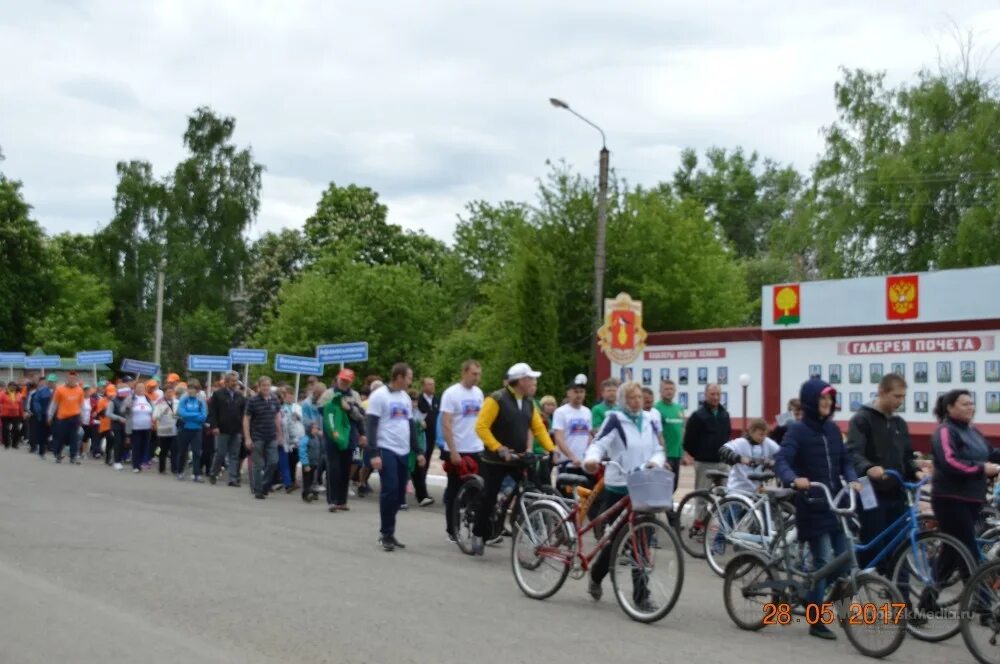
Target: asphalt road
[[105, 567]]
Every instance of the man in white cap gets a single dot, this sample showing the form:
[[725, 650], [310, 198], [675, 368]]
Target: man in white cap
[[571, 424], [506, 418]]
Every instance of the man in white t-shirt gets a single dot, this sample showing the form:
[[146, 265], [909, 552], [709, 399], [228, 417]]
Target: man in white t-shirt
[[571, 424], [460, 406], [392, 433]]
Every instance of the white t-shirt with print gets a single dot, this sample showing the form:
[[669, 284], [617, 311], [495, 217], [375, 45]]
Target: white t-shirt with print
[[464, 405], [575, 425], [394, 411], [142, 414]]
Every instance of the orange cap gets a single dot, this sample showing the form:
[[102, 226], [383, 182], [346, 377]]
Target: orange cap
[[173, 378], [152, 384], [110, 391]]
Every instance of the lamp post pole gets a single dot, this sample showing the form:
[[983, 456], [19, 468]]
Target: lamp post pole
[[744, 385], [601, 231]]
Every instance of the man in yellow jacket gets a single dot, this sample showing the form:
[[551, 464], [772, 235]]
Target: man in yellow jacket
[[505, 424]]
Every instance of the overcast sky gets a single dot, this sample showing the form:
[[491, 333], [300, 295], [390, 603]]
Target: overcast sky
[[434, 103]]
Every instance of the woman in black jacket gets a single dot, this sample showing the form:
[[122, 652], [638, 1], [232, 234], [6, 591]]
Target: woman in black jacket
[[963, 461]]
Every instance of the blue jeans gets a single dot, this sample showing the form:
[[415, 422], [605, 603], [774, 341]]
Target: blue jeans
[[64, 434], [825, 548], [286, 475], [189, 439], [394, 475]]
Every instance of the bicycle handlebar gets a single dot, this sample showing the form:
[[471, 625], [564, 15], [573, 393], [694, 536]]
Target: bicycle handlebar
[[909, 486], [834, 501]]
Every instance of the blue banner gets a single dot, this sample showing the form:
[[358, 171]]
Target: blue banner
[[140, 368], [356, 351], [42, 362], [95, 357], [297, 364], [209, 363], [11, 358], [248, 356]]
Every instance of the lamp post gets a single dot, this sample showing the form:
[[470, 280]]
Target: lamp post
[[602, 225], [744, 384]]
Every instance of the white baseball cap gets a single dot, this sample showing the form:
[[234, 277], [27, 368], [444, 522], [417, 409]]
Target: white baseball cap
[[521, 370]]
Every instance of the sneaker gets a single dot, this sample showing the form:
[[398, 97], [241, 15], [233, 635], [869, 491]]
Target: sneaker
[[197, 478], [594, 590], [342, 508], [59, 459], [496, 541], [75, 462], [352, 493], [404, 507], [259, 496], [331, 509], [647, 606], [477, 546], [427, 502], [211, 480], [388, 543], [822, 632], [452, 538], [118, 466], [180, 477], [136, 470]]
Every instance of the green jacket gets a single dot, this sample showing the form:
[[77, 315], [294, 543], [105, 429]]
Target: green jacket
[[337, 421]]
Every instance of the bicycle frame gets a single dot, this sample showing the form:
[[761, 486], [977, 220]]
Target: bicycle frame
[[903, 527]]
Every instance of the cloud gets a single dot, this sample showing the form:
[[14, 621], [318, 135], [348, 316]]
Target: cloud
[[432, 104]]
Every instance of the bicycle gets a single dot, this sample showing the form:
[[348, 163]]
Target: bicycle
[[772, 586], [979, 609], [693, 510], [469, 495], [548, 547]]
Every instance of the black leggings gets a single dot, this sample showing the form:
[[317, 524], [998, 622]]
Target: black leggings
[[640, 593], [957, 518]]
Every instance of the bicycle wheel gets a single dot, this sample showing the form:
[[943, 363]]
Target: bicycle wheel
[[746, 589], [884, 634], [732, 528], [464, 513], [931, 578], [542, 552], [647, 573], [691, 528], [980, 610]]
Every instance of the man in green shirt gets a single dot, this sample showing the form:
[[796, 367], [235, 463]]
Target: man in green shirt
[[609, 390], [672, 416]]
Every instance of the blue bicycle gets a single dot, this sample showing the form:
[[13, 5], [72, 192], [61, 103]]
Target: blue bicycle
[[929, 568]]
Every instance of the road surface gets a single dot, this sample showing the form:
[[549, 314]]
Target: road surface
[[104, 567]]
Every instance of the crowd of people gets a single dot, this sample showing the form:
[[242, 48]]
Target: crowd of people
[[339, 436]]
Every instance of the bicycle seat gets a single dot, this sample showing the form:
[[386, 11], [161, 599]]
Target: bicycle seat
[[765, 476], [778, 493], [716, 474], [571, 479]]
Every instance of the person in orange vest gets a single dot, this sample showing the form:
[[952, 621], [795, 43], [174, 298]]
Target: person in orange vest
[[11, 414], [103, 428], [64, 417]]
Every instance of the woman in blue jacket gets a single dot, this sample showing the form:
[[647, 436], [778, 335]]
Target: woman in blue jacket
[[191, 414], [813, 450]]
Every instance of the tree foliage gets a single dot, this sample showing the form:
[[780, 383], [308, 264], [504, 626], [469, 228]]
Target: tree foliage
[[25, 282]]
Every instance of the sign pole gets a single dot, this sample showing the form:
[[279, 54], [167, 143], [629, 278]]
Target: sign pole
[[246, 379], [94, 369], [10, 373], [208, 388], [297, 377]]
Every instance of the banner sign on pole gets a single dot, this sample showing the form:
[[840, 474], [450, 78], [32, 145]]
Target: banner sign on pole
[[297, 364], [42, 362], [210, 363], [12, 358], [95, 357], [248, 356], [356, 351], [140, 368]]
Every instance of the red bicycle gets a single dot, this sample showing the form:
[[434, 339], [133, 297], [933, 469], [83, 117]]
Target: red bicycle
[[646, 564]]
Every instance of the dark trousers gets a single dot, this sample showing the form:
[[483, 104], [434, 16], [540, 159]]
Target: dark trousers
[[450, 491], [603, 563], [873, 522], [42, 433], [957, 518], [11, 431], [675, 467], [228, 448], [207, 453], [116, 444], [420, 474], [30, 425], [167, 446], [64, 435], [493, 475], [307, 481], [394, 475], [140, 443], [265, 465], [338, 473], [189, 440]]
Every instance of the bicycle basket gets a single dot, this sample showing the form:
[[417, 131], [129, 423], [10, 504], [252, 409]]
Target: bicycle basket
[[651, 489]]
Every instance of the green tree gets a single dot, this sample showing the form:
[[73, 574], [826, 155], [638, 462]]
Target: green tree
[[203, 331], [25, 286], [275, 259], [484, 237], [79, 317]]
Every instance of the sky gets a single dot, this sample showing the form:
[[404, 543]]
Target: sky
[[437, 103]]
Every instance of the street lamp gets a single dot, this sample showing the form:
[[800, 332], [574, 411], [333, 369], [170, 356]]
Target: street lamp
[[744, 384], [602, 225]]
